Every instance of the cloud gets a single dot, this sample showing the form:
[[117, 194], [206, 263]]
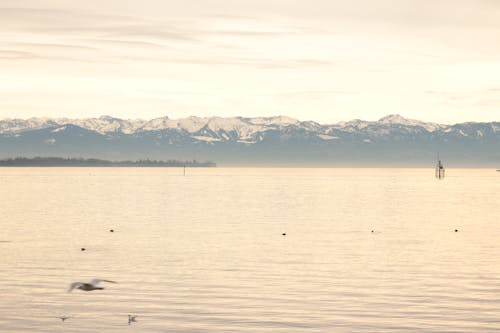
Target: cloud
[[309, 93], [73, 35], [256, 63], [478, 97], [489, 102], [388, 50], [247, 33], [52, 46], [124, 43], [16, 55]]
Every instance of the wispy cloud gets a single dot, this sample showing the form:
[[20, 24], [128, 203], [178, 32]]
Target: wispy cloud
[[325, 51], [478, 97], [14, 54], [86, 36], [52, 46], [259, 63], [308, 93], [125, 43]]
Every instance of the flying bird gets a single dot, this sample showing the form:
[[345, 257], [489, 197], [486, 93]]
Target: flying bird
[[131, 319], [63, 318], [92, 285]]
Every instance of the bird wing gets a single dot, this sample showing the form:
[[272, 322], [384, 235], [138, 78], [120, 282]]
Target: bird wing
[[74, 285], [97, 281]]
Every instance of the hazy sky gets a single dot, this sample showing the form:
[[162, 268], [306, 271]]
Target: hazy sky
[[323, 60]]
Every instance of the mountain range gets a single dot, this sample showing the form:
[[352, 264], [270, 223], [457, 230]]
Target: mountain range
[[281, 141]]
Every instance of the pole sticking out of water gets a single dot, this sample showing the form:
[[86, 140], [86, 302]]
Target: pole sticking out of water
[[184, 169], [439, 169]]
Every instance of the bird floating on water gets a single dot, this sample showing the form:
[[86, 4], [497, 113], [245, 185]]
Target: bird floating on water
[[89, 286], [131, 319]]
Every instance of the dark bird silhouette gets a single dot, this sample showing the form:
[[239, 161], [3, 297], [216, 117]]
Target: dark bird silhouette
[[131, 319], [92, 285]]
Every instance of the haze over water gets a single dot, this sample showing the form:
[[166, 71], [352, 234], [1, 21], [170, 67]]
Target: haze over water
[[205, 252]]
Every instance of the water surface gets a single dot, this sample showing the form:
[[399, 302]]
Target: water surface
[[205, 252]]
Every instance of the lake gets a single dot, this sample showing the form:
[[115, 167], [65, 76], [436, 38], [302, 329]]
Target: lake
[[206, 252]]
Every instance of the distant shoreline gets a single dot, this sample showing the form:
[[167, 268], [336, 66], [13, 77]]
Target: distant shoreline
[[93, 162]]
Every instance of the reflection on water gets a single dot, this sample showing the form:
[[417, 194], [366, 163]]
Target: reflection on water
[[205, 252]]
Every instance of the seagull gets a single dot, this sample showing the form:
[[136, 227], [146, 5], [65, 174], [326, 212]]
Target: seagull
[[131, 319], [63, 318], [92, 285]]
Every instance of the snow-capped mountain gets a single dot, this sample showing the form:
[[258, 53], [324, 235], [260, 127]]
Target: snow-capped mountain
[[276, 140], [387, 122], [107, 124]]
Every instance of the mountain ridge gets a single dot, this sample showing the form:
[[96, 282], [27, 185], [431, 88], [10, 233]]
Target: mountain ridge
[[106, 124], [390, 141]]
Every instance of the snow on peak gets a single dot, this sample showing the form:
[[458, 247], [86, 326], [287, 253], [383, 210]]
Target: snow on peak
[[395, 119], [189, 124], [59, 129], [226, 124], [398, 119], [20, 125], [277, 121], [244, 128], [356, 123], [104, 124]]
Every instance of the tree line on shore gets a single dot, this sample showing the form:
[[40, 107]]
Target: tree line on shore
[[94, 162]]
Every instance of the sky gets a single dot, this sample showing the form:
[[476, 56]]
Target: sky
[[321, 60]]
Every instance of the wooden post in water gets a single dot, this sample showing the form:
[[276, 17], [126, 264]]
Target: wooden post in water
[[439, 169]]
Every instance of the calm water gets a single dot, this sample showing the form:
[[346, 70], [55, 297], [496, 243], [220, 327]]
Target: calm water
[[205, 252]]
